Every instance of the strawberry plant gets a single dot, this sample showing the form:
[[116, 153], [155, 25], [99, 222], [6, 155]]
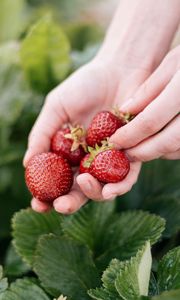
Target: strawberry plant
[[126, 249]]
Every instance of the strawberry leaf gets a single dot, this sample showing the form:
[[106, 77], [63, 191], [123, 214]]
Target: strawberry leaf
[[28, 227], [3, 281], [126, 280], [169, 270], [112, 235], [103, 294], [45, 55], [170, 295], [110, 274], [128, 232], [14, 266], [89, 224], [168, 207], [65, 267], [133, 278], [23, 289], [153, 286]]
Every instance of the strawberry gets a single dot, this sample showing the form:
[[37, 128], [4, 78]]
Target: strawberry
[[103, 125], [69, 142], [106, 164], [110, 166], [83, 168], [48, 176]]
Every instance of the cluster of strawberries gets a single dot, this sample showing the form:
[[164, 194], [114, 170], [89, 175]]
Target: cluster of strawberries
[[50, 175]]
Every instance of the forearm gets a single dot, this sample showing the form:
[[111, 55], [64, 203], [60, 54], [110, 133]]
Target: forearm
[[142, 29]]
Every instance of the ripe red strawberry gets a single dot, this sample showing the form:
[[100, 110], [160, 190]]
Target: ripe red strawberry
[[48, 176], [70, 144], [102, 126], [110, 166], [106, 164], [83, 168]]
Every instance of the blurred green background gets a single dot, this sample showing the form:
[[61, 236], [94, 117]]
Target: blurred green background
[[41, 42]]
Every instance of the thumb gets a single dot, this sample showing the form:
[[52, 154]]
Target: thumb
[[51, 118]]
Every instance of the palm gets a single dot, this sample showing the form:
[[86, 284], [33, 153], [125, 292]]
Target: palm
[[94, 88]]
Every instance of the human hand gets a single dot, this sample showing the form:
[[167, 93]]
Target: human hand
[[155, 131], [89, 90]]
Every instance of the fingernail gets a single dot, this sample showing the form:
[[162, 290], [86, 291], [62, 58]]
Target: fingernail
[[125, 106], [63, 207]]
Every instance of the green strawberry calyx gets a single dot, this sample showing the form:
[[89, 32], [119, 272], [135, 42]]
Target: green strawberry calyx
[[124, 117], [95, 151]]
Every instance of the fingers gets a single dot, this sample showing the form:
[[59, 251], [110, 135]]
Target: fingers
[[94, 190], [90, 186], [50, 119], [40, 206], [151, 88], [111, 190], [166, 143], [152, 119], [172, 156], [70, 203], [65, 204]]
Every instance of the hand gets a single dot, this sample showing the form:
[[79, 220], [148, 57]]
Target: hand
[[91, 89], [155, 131]]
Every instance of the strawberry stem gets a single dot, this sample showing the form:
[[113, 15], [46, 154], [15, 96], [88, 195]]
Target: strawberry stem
[[77, 134]]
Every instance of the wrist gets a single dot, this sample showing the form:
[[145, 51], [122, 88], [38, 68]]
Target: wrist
[[139, 35]]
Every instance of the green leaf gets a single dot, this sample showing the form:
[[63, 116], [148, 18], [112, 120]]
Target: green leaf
[[11, 18], [14, 266], [153, 286], [89, 225], [133, 278], [23, 289], [3, 281], [3, 285], [127, 233], [110, 274], [170, 295], [169, 270], [64, 266], [61, 298], [45, 55], [102, 294], [168, 207], [28, 227], [83, 34], [108, 291]]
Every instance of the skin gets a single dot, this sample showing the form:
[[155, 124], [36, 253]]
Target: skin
[[155, 132], [128, 56]]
